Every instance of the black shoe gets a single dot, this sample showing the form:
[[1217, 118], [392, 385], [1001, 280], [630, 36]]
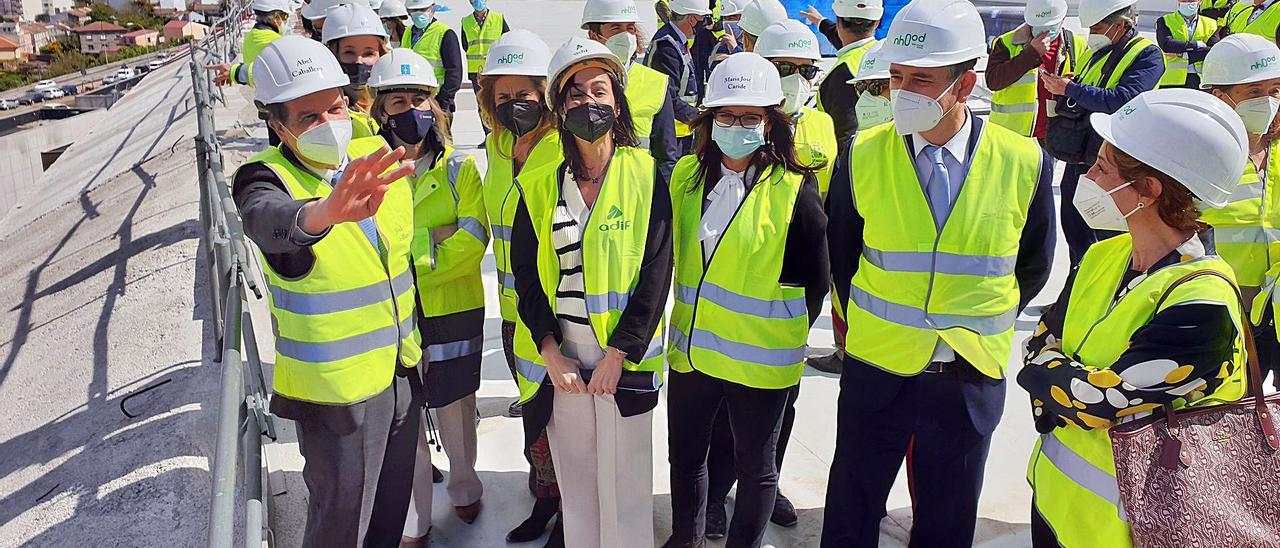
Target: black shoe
[[717, 520], [831, 363], [515, 409], [556, 540], [784, 513], [671, 543], [436, 475], [533, 526]]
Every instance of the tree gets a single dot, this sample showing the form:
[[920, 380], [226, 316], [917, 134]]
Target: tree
[[102, 12]]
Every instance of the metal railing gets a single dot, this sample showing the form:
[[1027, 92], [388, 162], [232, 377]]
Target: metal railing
[[243, 419]]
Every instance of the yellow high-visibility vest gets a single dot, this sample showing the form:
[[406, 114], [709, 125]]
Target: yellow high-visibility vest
[[1175, 64], [1015, 107], [428, 46], [480, 38]]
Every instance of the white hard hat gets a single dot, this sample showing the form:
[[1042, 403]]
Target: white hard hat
[[610, 11], [575, 51], [1093, 12], [872, 67], [518, 52], [744, 79], [759, 14], [352, 20], [392, 9], [1240, 59], [689, 7], [419, 4], [1198, 141], [268, 6], [789, 38], [318, 9], [402, 68], [375, 5], [935, 33], [1045, 13], [294, 66], [859, 9], [732, 7]]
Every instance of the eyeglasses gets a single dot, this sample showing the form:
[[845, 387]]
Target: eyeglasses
[[787, 68], [728, 119]]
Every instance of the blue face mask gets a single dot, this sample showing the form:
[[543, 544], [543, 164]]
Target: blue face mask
[[478, 5], [737, 142], [1053, 31], [411, 126], [1188, 9], [421, 20], [734, 28]]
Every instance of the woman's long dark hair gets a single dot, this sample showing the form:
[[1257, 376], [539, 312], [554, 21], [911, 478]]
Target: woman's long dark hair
[[624, 132], [779, 147]]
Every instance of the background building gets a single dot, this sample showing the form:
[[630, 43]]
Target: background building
[[99, 37]]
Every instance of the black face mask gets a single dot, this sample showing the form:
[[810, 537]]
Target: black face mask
[[411, 126], [589, 121], [358, 72], [520, 116]]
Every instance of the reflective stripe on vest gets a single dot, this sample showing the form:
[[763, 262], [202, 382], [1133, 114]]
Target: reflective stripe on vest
[[610, 262], [729, 322], [1016, 106], [434, 208], [437, 353], [1176, 64], [1092, 73], [916, 283], [1072, 470], [501, 199], [689, 88], [1265, 25], [342, 327], [1245, 227], [428, 45], [646, 93], [480, 38]]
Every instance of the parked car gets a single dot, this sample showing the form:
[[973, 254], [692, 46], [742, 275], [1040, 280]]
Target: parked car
[[56, 106], [125, 73], [54, 93], [31, 98], [109, 79], [155, 64], [70, 90], [6, 104], [163, 56], [45, 85]]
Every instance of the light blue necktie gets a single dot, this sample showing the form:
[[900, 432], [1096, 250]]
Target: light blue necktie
[[938, 188], [367, 225]]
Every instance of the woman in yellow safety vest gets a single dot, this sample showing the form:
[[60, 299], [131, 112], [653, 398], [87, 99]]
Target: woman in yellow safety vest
[[591, 257], [395, 18], [450, 238], [357, 38], [513, 101], [1248, 227], [1132, 331], [738, 334]]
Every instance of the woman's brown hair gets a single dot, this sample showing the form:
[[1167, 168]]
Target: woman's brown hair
[[1175, 204], [624, 132], [487, 100], [358, 97], [443, 125], [778, 149]]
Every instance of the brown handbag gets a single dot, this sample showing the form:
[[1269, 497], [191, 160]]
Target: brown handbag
[[1204, 477]]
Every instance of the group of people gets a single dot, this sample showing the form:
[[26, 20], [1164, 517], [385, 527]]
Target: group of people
[[619, 163]]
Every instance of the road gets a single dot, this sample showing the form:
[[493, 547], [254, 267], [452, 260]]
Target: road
[[92, 76]]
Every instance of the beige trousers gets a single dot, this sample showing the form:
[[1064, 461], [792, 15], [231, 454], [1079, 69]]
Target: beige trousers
[[456, 429], [604, 464]]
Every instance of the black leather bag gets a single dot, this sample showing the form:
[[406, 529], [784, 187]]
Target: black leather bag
[[1069, 137]]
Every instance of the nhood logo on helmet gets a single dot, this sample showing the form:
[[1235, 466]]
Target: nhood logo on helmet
[[629, 10], [1044, 14], [511, 58], [1263, 63], [802, 43], [1128, 110], [911, 40]]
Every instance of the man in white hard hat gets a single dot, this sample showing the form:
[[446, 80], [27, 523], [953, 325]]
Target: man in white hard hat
[[333, 219], [438, 44], [949, 237], [1260, 17], [271, 16], [615, 23], [1019, 98], [480, 29], [669, 54], [1121, 65], [1185, 37], [1243, 71], [855, 33]]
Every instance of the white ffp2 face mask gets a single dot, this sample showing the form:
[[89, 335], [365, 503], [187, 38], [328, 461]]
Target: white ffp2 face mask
[[795, 93], [1258, 113], [623, 45], [1096, 42], [872, 110], [914, 113], [1097, 207], [325, 144]]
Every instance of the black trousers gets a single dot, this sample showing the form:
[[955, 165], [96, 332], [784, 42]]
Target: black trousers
[[720, 461], [946, 418], [755, 417], [359, 466]]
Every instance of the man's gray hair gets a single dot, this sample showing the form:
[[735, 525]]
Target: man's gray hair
[[1128, 15]]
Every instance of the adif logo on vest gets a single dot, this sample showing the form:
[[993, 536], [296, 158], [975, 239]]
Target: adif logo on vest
[[1263, 63], [511, 58], [909, 40], [614, 221]]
